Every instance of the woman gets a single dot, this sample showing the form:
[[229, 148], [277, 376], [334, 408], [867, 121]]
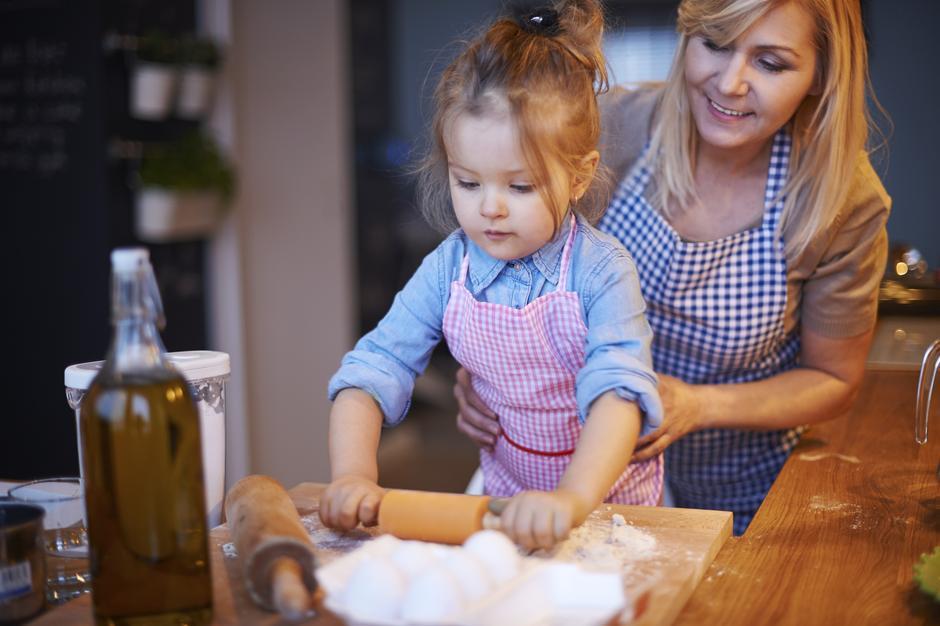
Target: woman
[[758, 227]]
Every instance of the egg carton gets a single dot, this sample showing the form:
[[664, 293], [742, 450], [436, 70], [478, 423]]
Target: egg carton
[[538, 592]]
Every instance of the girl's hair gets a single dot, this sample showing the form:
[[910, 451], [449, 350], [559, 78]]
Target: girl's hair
[[547, 65], [828, 130]]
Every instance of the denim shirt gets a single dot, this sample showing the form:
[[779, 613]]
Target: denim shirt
[[385, 362]]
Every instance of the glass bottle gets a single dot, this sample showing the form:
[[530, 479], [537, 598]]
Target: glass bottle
[[143, 470]]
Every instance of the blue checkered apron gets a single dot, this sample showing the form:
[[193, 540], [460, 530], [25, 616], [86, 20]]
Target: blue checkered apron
[[717, 313]]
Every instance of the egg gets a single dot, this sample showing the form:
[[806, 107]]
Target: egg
[[469, 572], [412, 557], [431, 597], [497, 553], [375, 590]]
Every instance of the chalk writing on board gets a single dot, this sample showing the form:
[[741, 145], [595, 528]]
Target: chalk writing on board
[[41, 101]]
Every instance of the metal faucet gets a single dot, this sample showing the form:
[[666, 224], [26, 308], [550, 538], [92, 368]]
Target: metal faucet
[[925, 391]]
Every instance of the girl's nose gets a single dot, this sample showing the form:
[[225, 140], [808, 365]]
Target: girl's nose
[[493, 206], [733, 80]]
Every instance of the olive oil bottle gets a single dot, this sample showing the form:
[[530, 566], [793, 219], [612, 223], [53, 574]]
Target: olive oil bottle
[[143, 472]]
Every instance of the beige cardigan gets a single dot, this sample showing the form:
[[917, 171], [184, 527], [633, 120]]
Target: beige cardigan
[[832, 286]]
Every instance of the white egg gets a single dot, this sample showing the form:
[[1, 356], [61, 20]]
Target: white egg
[[431, 597], [412, 557], [469, 572], [497, 552], [375, 590]]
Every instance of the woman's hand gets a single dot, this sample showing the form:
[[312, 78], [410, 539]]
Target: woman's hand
[[681, 416], [474, 418], [350, 500], [540, 519]]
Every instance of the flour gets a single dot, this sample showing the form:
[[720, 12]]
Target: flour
[[805, 456], [607, 544]]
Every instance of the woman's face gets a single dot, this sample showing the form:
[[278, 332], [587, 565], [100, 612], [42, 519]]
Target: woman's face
[[742, 94]]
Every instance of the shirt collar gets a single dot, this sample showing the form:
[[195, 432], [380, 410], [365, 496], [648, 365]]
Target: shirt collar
[[484, 269]]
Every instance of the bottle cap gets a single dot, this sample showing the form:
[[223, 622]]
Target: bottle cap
[[129, 259]]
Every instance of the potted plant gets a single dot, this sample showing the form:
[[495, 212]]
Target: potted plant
[[185, 186], [154, 76], [199, 60]]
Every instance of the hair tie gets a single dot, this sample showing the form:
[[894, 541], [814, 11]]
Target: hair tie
[[540, 22]]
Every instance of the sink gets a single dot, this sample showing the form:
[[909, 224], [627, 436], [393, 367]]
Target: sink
[[900, 341]]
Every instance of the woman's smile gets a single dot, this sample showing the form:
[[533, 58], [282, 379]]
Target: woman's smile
[[725, 112]]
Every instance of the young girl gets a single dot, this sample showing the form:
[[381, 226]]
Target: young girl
[[543, 309]]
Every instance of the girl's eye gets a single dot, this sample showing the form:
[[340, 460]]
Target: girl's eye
[[711, 45], [466, 184], [522, 188]]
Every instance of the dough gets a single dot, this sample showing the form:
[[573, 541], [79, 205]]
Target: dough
[[375, 590], [469, 572], [432, 596], [497, 553]]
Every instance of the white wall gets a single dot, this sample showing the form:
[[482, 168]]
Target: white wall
[[281, 268]]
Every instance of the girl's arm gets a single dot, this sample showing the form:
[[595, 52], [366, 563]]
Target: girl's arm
[[823, 387], [539, 519], [353, 496]]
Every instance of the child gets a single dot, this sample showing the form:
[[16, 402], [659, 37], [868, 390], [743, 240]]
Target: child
[[542, 309]]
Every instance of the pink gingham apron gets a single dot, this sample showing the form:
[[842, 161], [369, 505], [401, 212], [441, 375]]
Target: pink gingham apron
[[524, 363]]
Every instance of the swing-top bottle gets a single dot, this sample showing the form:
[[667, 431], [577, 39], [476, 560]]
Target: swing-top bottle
[[143, 472]]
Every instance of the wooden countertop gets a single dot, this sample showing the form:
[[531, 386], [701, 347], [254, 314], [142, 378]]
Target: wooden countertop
[[834, 542], [836, 539]]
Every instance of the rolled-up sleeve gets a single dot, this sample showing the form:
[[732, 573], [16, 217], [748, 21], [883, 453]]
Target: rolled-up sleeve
[[617, 355], [385, 362]]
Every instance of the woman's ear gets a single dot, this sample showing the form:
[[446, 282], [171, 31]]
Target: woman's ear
[[587, 166]]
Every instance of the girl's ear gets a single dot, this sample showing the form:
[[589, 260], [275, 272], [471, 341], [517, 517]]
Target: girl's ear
[[587, 166]]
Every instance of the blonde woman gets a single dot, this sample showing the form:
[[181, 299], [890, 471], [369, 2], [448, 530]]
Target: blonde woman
[[757, 224]]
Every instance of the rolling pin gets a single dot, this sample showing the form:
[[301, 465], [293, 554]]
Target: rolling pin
[[439, 517], [274, 547]]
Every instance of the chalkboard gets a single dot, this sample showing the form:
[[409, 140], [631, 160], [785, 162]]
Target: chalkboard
[[65, 204]]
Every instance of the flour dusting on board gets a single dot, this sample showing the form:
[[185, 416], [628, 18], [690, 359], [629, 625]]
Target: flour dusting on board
[[607, 544], [331, 543]]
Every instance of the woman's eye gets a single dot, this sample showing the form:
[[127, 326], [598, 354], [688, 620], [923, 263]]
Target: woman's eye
[[522, 188], [466, 184], [711, 45], [772, 65]]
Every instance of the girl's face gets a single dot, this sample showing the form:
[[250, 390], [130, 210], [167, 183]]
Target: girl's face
[[742, 94], [493, 190]]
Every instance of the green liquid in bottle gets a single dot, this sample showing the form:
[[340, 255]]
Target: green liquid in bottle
[[145, 500]]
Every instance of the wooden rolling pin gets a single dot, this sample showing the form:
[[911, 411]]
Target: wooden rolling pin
[[275, 550], [439, 517]]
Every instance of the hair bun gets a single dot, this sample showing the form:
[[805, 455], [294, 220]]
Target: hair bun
[[540, 22]]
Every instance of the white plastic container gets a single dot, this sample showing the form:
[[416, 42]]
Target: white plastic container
[[207, 372]]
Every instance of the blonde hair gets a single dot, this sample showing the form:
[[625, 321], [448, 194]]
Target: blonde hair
[[828, 130], [549, 76]]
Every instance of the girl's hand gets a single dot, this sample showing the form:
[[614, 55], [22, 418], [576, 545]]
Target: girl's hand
[[474, 418], [540, 519], [681, 416], [350, 500]]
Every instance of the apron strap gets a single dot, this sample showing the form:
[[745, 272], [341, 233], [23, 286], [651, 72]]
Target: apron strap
[[566, 255], [463, 268]]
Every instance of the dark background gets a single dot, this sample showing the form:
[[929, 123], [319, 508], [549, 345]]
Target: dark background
[[67, 203]]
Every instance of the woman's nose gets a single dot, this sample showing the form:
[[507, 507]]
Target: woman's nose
[[733, 80]]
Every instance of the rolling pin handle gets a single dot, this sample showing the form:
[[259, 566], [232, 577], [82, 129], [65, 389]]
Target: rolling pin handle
[[289, 594]]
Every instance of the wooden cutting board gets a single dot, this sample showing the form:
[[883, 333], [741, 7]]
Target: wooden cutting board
[[667, 569]]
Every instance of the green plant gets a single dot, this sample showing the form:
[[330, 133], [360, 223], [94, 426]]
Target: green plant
[[192, 163], [200, 51], [157, 47]]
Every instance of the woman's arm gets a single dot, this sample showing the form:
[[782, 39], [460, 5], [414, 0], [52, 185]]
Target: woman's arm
[[824, 386], [539, 519]]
